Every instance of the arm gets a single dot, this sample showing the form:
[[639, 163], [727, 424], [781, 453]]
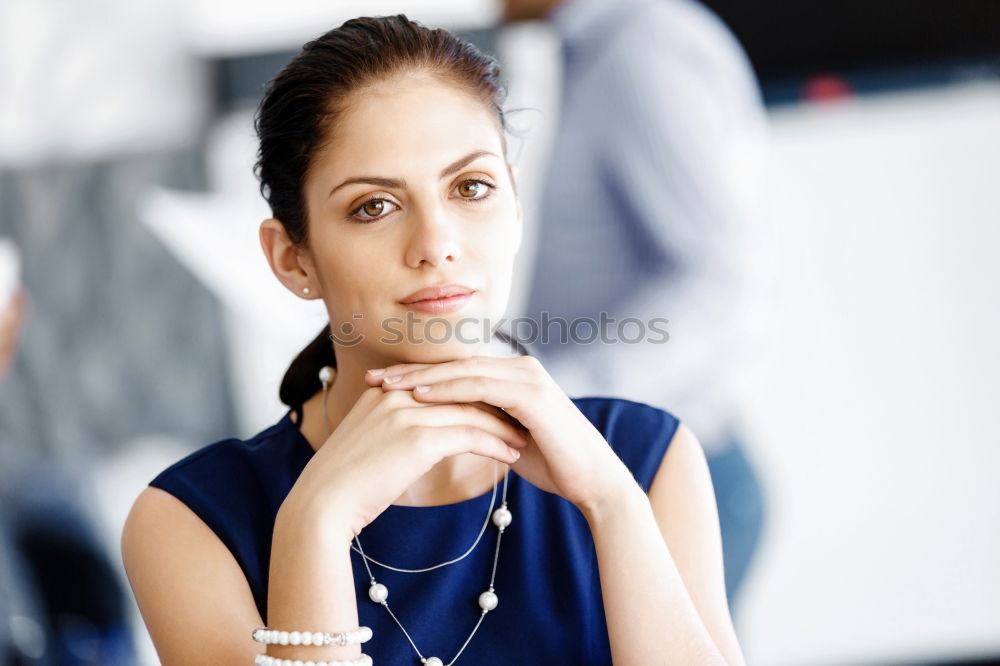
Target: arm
[[311, 583], [196, 602], [660, 563]]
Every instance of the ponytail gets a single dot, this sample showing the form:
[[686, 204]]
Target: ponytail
[[301, 380]]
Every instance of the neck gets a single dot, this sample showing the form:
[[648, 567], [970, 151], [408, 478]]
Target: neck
[[453, 479]]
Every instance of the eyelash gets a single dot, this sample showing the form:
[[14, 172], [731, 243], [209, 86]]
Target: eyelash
[[489, 195]]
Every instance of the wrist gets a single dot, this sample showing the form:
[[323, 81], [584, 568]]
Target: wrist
[[622, 496], [315, 515]]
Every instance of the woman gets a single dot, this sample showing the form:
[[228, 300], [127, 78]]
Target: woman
[[383, 157]]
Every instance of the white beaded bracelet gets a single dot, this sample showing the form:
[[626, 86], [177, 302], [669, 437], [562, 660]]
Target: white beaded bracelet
[[272, 637], [267, 660]]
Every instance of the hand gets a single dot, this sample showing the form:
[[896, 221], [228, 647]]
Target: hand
[[389, 440], [566, 454], [11, 319]]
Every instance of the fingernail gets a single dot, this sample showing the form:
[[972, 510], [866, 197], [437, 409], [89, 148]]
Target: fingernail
[[391, 380], [376, 372], [423, 388], [514, 452]]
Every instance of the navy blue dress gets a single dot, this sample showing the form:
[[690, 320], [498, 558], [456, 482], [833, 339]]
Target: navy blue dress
[[550, 609]]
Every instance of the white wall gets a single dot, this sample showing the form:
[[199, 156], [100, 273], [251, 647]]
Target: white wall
[[876, 410]]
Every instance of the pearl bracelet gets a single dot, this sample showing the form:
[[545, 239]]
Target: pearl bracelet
[[272, 637], [267, 660]]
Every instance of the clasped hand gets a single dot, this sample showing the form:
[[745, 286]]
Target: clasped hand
[[565, 455]]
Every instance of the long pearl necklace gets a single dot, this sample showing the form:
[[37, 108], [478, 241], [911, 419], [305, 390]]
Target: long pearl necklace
[[379, 593]]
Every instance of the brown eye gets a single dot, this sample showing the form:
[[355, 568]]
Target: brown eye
[[470, 188], [371, 210], [474, 190], [373, 207]]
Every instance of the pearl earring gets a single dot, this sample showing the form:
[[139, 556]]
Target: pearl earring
[[305, 290]]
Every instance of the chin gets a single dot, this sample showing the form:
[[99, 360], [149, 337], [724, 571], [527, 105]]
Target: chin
[[430, 352]]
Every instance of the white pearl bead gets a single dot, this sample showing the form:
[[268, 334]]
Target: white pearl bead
[[318, 638], [310, 663], [273, 638], [378, 593], [365, 633], [433, 661], [307, 638], [298, 662], [283, 638], [325, 374], [488, 600], [295, 638], [502, 517]]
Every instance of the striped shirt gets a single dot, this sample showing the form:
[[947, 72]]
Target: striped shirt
[[648, 209]]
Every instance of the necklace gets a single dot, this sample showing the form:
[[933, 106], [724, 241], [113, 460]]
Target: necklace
[[379, 593]]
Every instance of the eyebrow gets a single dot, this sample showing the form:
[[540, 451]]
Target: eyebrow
[[400, 183]]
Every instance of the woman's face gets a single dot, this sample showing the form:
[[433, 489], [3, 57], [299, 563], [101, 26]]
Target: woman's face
[[412, 191]]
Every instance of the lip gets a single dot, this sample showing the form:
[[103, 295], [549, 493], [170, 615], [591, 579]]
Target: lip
[[437, 293], [440, 305]]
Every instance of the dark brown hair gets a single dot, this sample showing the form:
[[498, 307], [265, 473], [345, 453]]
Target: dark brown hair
[[297, 114]]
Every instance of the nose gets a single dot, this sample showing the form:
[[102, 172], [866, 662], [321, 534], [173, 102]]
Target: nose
[[434, 239]]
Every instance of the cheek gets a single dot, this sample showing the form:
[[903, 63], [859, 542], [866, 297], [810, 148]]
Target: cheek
[[500, 236]]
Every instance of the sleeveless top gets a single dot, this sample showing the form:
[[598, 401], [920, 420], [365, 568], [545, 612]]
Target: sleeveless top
[[550, 607]]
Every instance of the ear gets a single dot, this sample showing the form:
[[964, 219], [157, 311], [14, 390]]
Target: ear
[[290, 264]]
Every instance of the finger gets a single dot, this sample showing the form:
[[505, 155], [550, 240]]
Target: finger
[[514, 397], [498, 412], [373, 377], [469, 367], [399, 399], [445, 441], [466, 415]]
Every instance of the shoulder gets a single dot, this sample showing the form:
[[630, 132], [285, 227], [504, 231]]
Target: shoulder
[[234, 484], [227, 461], [621, 413], [177, 567], [639, 433], [679, 28], [670, 50], [683, 502]]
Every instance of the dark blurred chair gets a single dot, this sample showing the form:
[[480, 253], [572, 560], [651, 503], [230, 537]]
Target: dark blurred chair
[[62, 602]]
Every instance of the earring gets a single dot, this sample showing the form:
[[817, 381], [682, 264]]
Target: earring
[[305, 290], [325, 375]]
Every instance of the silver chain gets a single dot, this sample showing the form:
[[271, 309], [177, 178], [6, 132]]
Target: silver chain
[[493, 499]]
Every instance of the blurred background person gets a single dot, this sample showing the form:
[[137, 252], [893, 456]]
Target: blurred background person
[[647, 209], [11, 319]]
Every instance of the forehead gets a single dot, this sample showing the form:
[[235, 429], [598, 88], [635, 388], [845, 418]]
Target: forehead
[[408, 121]]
